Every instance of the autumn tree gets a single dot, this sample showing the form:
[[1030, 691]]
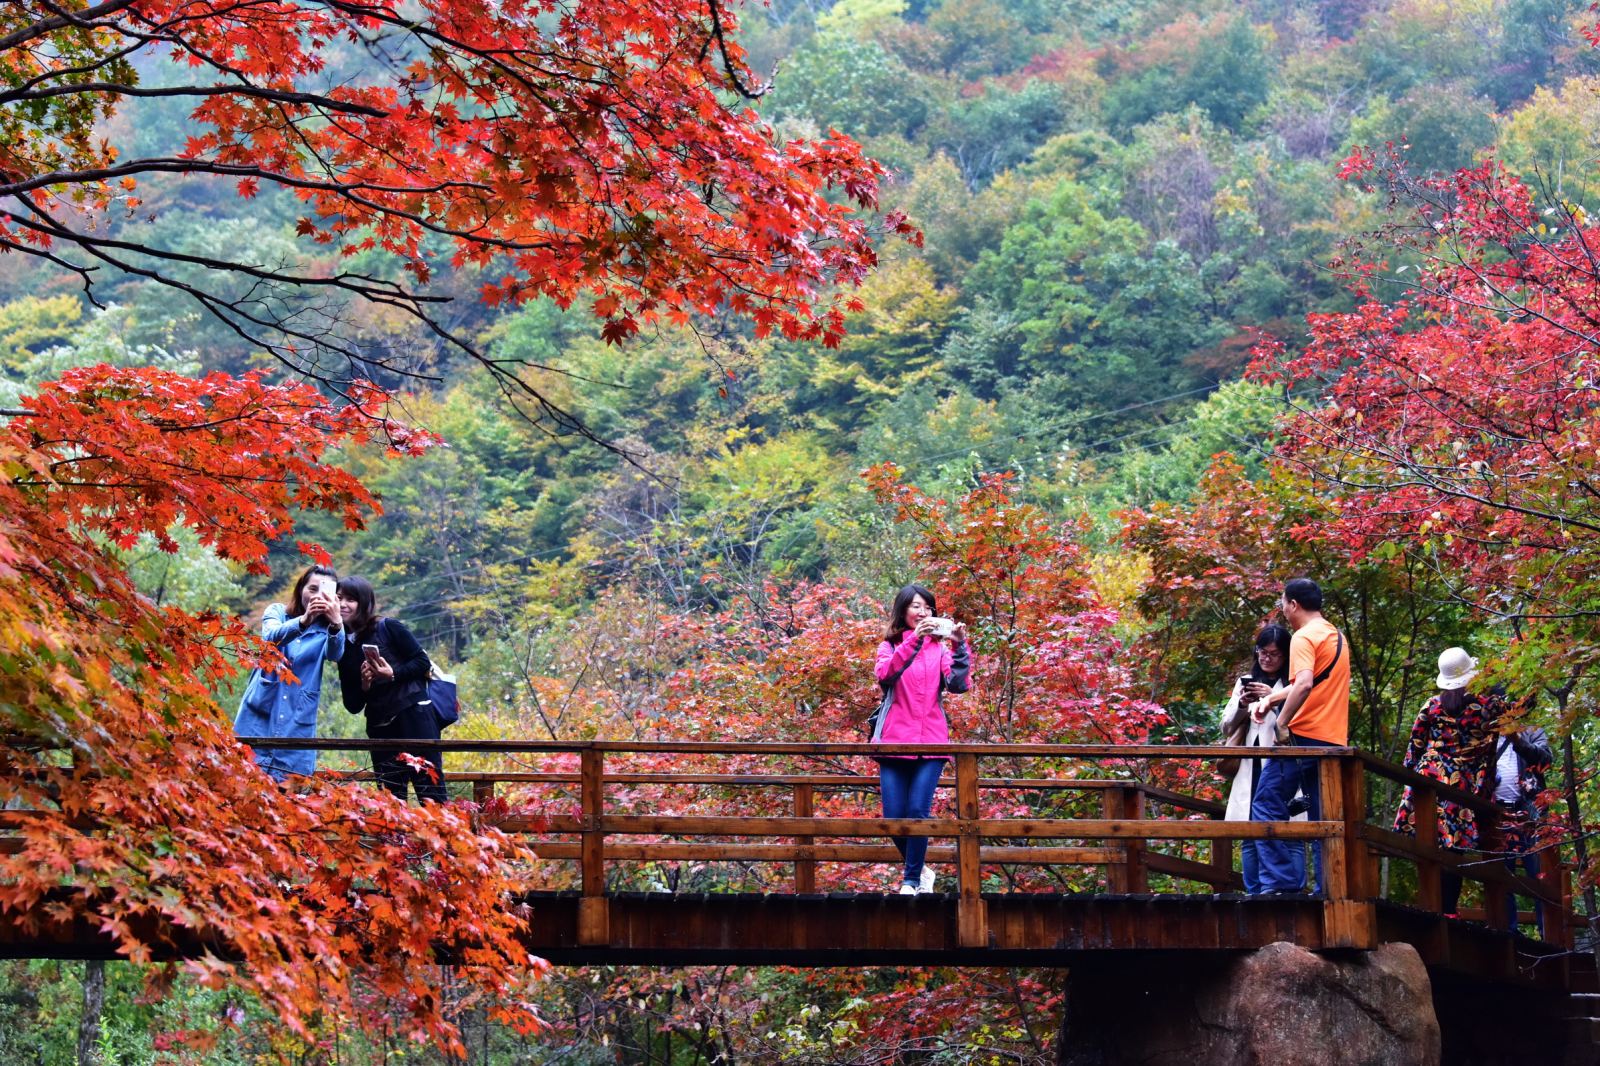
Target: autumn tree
[[792, 663], [598, 152], [1458, 422], [592, 150], [151, 827], [1217, 563]]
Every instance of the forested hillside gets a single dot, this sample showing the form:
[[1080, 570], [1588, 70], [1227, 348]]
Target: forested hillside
[[1040, 406]]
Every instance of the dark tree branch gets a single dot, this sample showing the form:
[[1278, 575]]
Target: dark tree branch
[[253, 92]]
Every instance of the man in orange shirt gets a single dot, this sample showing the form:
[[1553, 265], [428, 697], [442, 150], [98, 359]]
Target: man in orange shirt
[[1315, 713]]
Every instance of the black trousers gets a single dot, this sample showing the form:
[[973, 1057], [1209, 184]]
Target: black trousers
[[393, 771]]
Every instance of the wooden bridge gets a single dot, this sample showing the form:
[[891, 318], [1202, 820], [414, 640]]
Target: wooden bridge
[[1073, 855]]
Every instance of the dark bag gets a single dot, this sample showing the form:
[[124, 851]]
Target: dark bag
[[441, 696], [1229, 766]]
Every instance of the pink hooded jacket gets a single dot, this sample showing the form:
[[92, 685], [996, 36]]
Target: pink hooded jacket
[[915, 716]]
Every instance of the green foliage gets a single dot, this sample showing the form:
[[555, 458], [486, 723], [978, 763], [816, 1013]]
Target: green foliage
[[1556, 133], [892, 346], [1083, 306], [40, 339], [1440, 128], [838, 80], [31, 324], [999, 129], [1227, 75], [1237, 418]]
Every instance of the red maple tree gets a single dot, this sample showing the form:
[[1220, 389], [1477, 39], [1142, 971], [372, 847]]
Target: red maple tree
[[598, 149], [1459, 421], [148, 822]]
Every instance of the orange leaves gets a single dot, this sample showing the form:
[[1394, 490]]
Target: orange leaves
[[165, 447], [596, 153], [159, 819]]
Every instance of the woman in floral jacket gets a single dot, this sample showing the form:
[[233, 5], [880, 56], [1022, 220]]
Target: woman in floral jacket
[[1453, 743]]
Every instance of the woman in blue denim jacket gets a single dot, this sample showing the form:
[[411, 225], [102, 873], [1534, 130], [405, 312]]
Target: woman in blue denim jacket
[[309, 632]]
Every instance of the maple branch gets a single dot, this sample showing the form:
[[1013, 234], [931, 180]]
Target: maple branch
[[169, 165], [62, 20], [728, 65], [248, 91]]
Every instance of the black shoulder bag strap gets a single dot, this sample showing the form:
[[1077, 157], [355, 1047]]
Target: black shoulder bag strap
[[888, 683], [1338, 649]]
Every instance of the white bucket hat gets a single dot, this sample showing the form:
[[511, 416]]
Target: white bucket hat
[[1456, 668]]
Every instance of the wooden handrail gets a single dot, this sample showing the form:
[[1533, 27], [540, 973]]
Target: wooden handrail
[[1399, 774], [1128, 827], [526, 747], [1406, 846], [861, 782]]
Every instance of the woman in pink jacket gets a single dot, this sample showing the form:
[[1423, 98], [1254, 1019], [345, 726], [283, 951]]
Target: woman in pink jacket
[[917, 666]]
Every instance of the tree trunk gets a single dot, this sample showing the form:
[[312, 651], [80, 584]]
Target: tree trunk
[[1579, 845], [94, 997]]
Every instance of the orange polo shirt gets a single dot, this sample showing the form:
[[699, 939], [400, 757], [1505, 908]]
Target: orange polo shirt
[[1325, 715]]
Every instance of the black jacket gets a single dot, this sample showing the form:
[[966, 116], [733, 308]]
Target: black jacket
[[400, 650]]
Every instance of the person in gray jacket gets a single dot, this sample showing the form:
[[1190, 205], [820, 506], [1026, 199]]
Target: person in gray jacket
[[1520, 762]]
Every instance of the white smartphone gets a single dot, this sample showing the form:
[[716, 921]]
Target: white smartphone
[[369, 650], [943, 627]]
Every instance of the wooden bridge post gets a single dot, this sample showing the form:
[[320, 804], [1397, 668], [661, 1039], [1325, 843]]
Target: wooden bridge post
[[594, 915], [1555, 877], [1126, 803], [1222, 858], [1425, 819], [1496, 895], [482, 791], [971, 921], [805, 863], [1349, 918]]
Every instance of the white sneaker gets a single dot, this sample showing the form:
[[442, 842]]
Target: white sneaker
[[908, 890], [926, 884]]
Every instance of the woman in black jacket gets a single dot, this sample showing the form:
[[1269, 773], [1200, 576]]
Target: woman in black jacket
[[384, 672]]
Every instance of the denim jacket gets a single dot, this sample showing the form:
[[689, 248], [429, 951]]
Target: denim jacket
[[276, 707]]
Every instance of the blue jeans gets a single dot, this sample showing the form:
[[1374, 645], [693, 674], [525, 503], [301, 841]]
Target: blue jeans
[[1282, 863], [1250, 866], [908, 786], [1530, 864]]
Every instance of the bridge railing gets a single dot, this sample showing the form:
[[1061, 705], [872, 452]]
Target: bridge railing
[[1124, 835], [1551, 888]]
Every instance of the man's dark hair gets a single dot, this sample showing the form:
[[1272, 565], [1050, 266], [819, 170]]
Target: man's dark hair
[[1305, 592]]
